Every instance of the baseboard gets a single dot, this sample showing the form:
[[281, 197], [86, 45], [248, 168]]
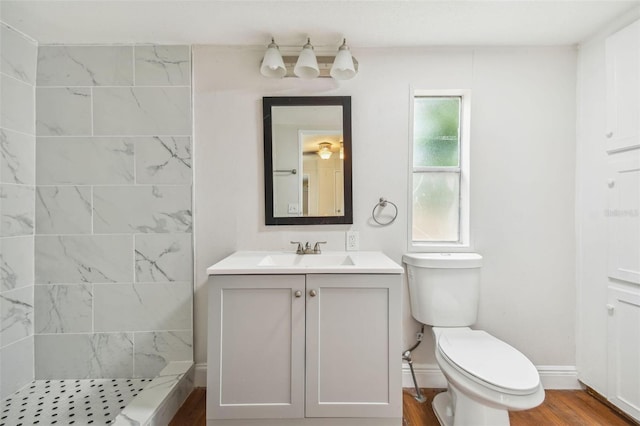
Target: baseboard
[[430, 376], [551, 376], [559, 377], [200, 378], [427, 375]]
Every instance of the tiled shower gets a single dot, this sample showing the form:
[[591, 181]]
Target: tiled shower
[[97, 262], [17, 180]]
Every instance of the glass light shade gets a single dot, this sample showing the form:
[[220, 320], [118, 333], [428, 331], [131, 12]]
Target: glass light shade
[[325, 151], [341, 150], [343, 67], [272, 63], [307, 64]]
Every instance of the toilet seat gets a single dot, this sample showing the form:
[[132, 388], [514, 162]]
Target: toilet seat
[[489, 361]]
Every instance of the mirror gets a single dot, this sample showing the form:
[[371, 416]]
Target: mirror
[[307, 160]]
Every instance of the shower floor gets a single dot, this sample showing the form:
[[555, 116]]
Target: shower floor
[[69, 402]]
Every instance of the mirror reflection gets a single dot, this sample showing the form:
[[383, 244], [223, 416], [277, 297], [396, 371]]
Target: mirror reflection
[[307, 179], [308, 159]]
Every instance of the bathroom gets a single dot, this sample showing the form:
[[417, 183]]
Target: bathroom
[[537, 175]]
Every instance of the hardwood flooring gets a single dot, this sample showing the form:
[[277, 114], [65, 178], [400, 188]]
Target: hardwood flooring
[[193, 411], [560, 408]]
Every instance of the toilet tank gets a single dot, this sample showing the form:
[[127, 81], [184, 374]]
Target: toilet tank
[[444, 288]]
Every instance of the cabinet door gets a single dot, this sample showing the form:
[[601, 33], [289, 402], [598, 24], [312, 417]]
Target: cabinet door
[[353, 346], [624, 350], [623, 88], [623, 216], [256, 347]]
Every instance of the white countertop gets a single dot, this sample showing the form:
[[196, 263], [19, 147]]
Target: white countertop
[[330, 262]]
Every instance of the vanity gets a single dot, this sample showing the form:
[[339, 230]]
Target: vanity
[[304, 340]]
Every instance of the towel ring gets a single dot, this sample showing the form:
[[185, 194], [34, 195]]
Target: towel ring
[[383, 203]]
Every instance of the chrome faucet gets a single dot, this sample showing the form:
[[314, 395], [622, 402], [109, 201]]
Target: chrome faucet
[[307, 247]]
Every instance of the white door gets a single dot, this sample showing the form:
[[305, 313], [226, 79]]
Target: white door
[[256, 347], [339, 193], [326, 192], [624, 350], [353, 346]]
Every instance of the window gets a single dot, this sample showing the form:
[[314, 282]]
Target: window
[[439, 178]]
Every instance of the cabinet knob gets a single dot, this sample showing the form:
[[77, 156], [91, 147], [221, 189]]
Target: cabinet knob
[[611, 183], [298, 293], [609, 135], [610, 308], [313, 293]]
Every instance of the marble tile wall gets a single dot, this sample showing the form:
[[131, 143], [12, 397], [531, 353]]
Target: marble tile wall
[[17, 213], [113, 211]]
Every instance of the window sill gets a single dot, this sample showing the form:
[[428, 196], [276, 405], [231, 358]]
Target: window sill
[[439, 247]]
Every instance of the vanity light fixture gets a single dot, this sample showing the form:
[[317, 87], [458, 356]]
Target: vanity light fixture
[[325, 150], [272, 63], [307, 65], [341, 150]]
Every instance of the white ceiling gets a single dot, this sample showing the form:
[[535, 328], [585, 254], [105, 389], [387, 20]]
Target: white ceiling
[[384, 23]]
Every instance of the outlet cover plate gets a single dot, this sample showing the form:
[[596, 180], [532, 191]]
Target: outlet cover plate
[[352, 241]]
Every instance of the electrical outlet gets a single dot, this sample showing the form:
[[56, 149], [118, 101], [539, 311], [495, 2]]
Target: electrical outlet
[[353, 241], [293, 209]]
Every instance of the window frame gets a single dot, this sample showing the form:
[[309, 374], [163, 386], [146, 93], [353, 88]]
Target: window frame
[[464, 241]]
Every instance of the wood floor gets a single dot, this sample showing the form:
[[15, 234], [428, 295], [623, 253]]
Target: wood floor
[[560, 408]]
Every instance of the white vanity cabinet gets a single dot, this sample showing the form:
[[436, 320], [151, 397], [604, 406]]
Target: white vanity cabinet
[[304, 349]]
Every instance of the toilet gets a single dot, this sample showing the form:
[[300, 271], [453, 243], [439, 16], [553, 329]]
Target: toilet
[[486, 377]]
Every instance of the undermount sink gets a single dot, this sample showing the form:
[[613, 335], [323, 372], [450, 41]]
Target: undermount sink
[[306, 260]]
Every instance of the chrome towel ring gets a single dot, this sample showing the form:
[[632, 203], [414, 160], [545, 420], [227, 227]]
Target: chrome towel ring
[[381, 205]]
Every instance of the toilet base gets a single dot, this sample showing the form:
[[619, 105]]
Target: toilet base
[[442, 408], [453, 408]]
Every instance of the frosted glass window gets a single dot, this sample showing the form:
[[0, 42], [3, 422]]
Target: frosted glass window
[[437, 172], [436, 130], [436, 206]]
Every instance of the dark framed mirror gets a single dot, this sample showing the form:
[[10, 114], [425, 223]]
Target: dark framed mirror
[[307, 160]]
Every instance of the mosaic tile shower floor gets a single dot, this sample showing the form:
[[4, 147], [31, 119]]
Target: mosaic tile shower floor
[[69, 402]]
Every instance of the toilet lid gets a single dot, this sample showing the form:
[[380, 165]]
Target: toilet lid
[[490, 360]]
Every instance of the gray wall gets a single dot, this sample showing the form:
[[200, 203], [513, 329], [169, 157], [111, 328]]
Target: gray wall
[[17, 142], [113, 243]]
